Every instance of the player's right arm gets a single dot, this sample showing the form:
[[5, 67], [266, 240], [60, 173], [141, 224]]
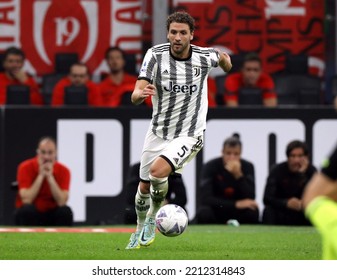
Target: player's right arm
[[143, 89]]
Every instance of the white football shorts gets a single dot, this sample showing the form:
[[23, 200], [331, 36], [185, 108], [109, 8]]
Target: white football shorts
[[178, 152]]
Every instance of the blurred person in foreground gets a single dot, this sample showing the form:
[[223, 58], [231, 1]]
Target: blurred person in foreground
[[174, 75], [320, 205], [227, 187], [43, 192]]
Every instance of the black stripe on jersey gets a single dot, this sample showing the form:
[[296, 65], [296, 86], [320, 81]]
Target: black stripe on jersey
[[204, 72], [205, 52], [172, 99], [161, 48], [159, 93], [184, 108], [152, 62]]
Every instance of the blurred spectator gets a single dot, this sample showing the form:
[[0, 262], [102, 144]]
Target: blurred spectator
[[117, 83], [78, 76], [13, 61], [227, 187], [285, 185], [176, 192], [43, 192], [250, 76]]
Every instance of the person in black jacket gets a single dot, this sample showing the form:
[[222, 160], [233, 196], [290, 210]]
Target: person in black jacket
[[285, 185], [227, 188], [176, 193]]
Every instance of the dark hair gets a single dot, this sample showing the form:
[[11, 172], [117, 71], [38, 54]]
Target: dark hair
[[252, 57], [233, 141], [180, 17], [110, 49], [297, 144], [14, 51]]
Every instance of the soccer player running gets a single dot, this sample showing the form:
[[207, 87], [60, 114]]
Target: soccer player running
[[319, 201], [174, 75]]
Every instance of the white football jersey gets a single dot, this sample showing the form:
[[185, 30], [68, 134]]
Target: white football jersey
[[180, 104]]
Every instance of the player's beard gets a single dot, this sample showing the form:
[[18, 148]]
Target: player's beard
[[179, 49]]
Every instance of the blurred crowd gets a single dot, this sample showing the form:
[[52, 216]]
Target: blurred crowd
[[247, 84]]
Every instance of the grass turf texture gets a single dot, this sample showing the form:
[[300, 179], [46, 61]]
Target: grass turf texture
[[197, 243]]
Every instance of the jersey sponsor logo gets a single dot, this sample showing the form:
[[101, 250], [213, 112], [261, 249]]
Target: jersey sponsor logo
[[176, 88]]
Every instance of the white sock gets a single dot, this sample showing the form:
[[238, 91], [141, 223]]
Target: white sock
[[158, 191], [142, 205]]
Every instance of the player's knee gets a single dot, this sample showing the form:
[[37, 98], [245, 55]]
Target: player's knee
[[160, 168]]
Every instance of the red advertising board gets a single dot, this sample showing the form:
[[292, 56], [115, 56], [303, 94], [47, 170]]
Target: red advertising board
[[269, 27], [87, 27]]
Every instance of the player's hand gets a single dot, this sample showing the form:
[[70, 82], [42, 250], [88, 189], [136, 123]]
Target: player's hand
[[148, 91], [224, 61]]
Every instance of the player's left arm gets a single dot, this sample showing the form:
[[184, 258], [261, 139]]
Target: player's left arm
[[224, 61]]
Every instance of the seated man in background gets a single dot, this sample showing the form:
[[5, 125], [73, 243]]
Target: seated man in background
[[176, 193], [227, 187], [78, 76], [285, 185], [250, 76], [13, 74], [43, 192], [118, 82]]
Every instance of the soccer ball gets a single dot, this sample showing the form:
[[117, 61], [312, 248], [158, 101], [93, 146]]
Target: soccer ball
[[171, 220]]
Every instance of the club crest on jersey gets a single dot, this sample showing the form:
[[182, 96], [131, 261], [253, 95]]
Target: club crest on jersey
[[196, 71], [172, 87]]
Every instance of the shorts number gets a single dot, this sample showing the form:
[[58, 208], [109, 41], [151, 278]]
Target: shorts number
[[184, 150]]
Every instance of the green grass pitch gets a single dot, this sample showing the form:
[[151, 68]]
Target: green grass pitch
[[211, 242]]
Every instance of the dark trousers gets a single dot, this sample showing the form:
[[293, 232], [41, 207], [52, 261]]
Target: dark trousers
[[209, 215], [28, 215], [287, 217], [130, 216]]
